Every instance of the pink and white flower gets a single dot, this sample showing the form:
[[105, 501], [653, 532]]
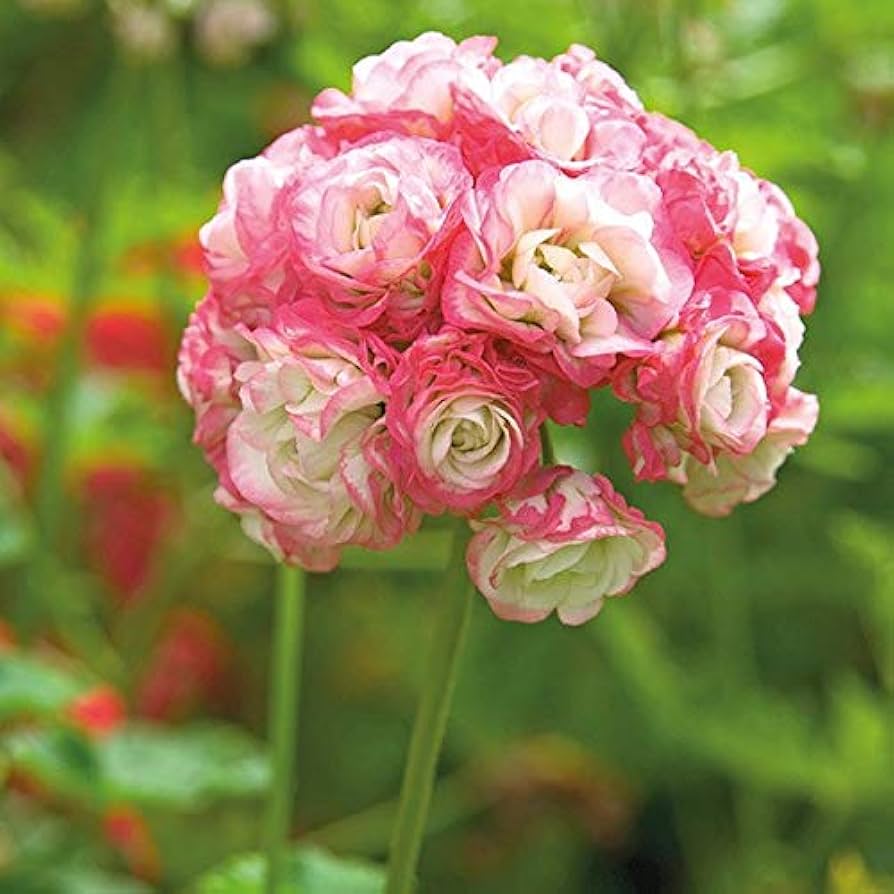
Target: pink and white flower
[[464, 420], [796, 253], [563, 542], [307, 453], [369, 227], [568, 112], [366, 508], [711, 198], [245, 243], [600, 81], [408, 88], [716, 490], [459, 250], [780, 310], [580, 268], [706, 391], [210, 352]]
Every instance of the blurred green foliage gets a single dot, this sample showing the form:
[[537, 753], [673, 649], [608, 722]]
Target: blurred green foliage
[[728, 728]]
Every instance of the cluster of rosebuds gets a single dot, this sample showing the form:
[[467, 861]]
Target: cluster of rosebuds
[[402, 294]]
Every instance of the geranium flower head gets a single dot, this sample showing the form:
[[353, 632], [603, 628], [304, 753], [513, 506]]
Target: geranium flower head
[[458, 250]]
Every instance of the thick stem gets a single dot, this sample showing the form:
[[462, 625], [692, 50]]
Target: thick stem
[[284, 691], [448, 635]]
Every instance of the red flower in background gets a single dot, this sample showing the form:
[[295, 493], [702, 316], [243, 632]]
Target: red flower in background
[[7, 637], [187, 254], [35, 316], [189, 668], [122, 335], [15, 453], [127, 515], [127, 831], [30, 325], [181, 255], [128, 340], [97, 712]]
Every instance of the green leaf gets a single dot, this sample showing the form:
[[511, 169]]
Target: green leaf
[[307, 871], [182, 768], [33, 688], [149, 767], [61, 760], [71, 880], [862, 732]]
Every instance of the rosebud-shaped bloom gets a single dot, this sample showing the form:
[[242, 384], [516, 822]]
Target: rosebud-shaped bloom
[[366, 505], [408, 88], [600, 81], [580, 268], [464, 420], [665, 138], [209, 354], [796, 250], [535, 109], [742, 479], [562, 543], [706, 391], [369, 227], [780, 310], [711, 198], [305, 453], [245, 244]]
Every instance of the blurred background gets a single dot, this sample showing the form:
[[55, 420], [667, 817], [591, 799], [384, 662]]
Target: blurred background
[[728, 728]]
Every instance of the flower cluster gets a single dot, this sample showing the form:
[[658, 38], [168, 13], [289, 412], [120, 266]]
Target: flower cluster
[[458, 250]]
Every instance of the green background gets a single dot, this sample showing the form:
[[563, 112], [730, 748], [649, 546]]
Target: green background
[[730, 726]]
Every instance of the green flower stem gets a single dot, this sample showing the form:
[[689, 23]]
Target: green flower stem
[[449, 633], [284, 692], [456, 798]]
